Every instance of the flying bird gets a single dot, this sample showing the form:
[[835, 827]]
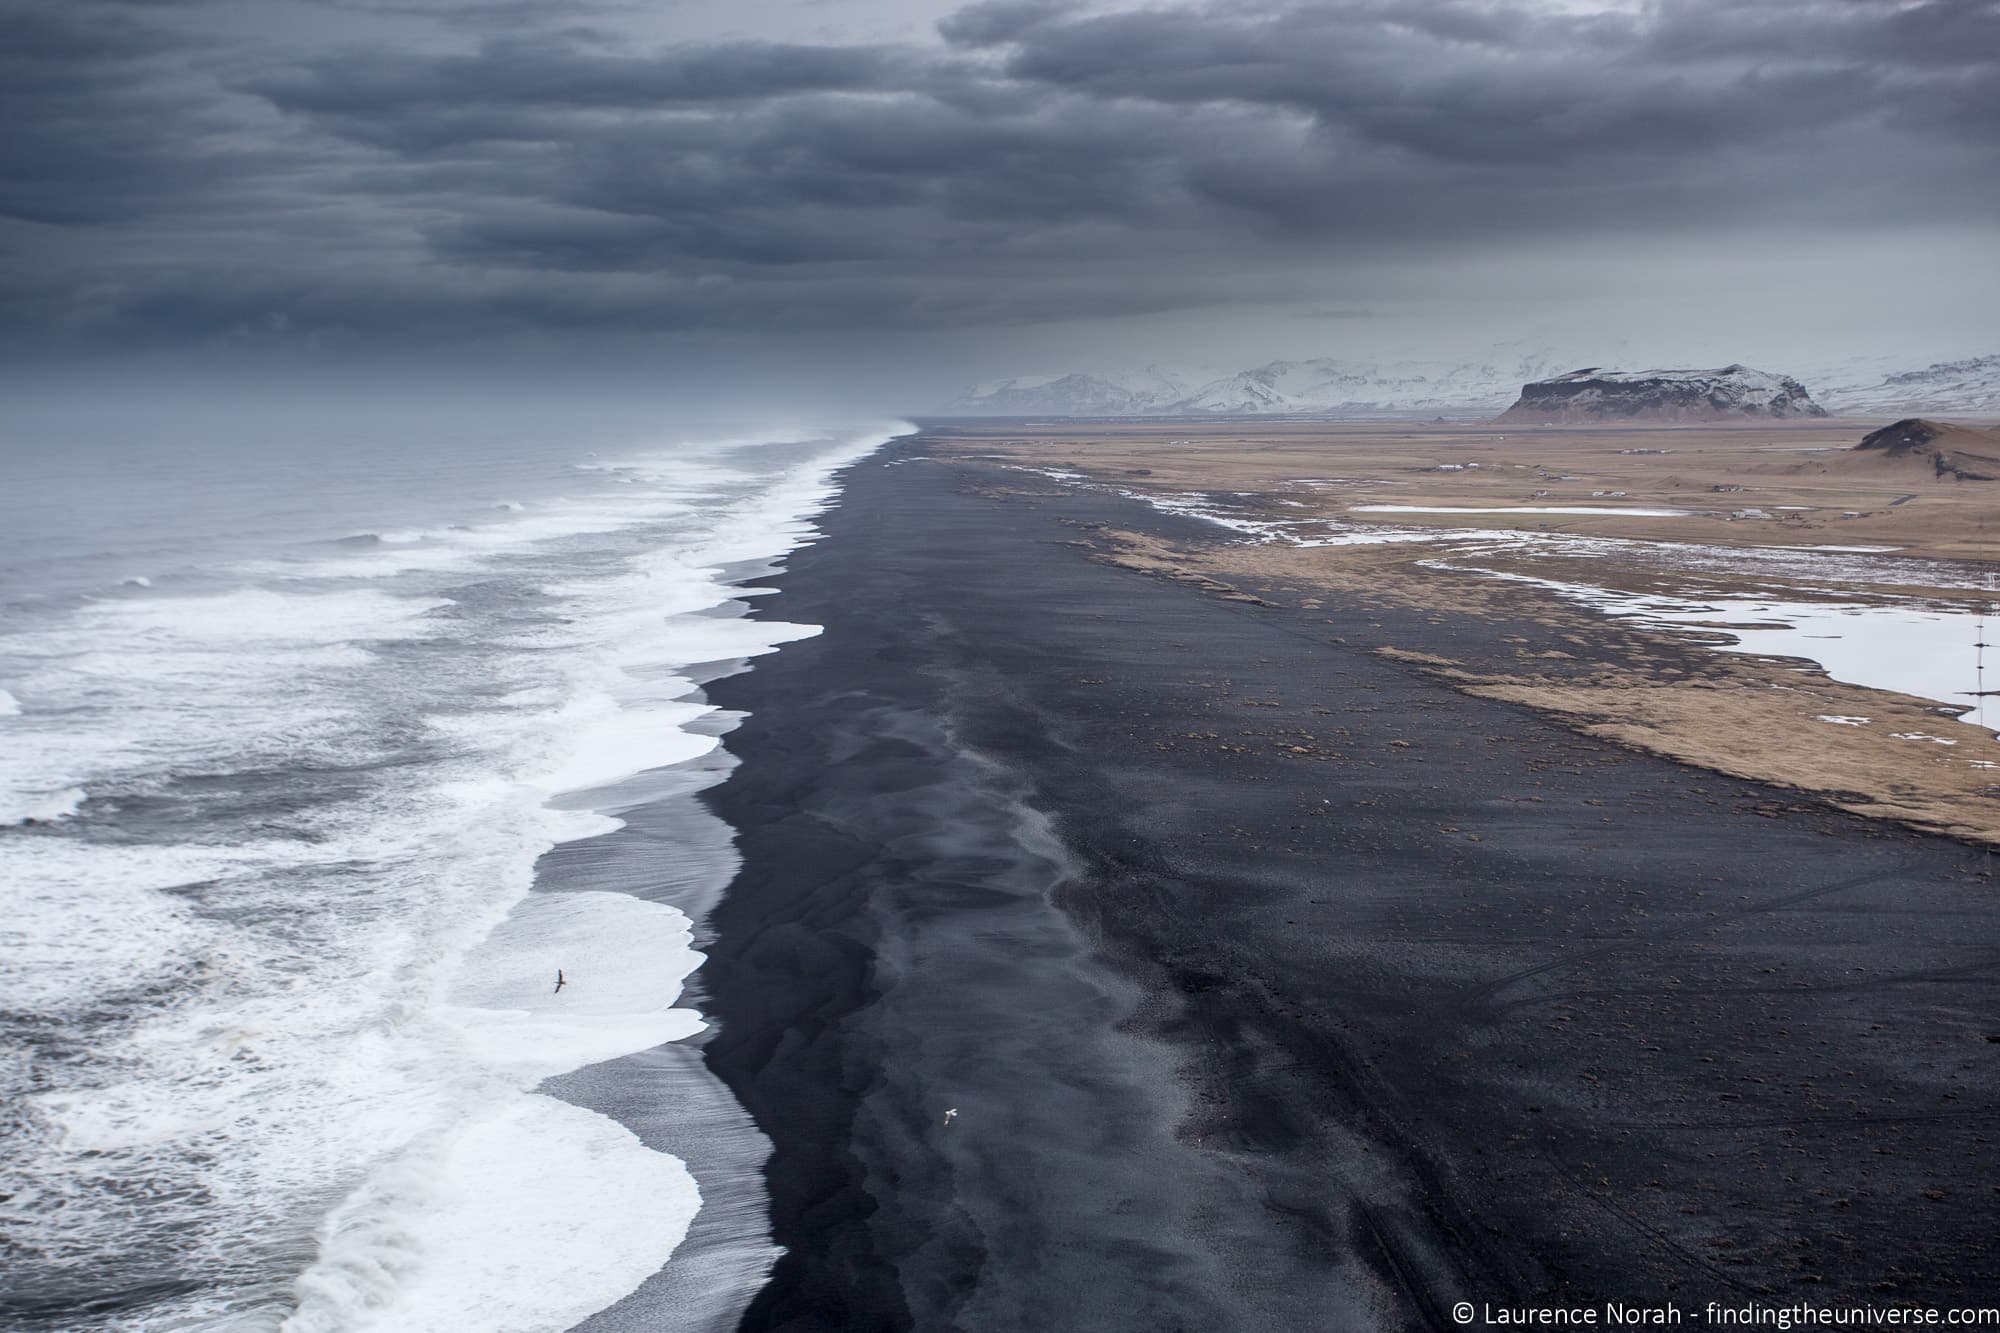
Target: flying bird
[[560, 983], [950, 1116]]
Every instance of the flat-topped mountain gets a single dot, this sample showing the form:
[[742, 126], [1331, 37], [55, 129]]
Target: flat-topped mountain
[[1594, 394], [1952, 451]]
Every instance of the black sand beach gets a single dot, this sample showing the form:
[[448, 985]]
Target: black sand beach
[[1275, 986]]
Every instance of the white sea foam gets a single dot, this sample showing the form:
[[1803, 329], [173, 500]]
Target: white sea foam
[[147, 685], [87, 921], [512, 1181], [610, 742], [40, 807], [465, 1227], [292, 931], [623, 960]]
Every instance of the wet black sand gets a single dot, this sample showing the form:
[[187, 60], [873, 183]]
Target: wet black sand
[[1278, 987]]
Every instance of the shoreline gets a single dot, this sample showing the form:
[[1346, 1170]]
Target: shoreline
[[1275, 982], [665, 1095]]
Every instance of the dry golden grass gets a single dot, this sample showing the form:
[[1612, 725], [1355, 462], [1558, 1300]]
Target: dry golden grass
[[1804, 475]]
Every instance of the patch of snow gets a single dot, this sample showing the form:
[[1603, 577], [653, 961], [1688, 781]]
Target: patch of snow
[[1523, 509]]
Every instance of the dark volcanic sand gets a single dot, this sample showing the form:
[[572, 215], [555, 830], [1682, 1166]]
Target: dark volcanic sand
[[1456, 1005]]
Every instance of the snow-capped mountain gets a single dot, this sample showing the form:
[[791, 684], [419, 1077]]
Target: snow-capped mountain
[[1131, 393], [1662, 395], [1327, 386], [1970, 387], [1322, 386]]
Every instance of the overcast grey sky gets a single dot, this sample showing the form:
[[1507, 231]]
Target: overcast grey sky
[[915, 189]]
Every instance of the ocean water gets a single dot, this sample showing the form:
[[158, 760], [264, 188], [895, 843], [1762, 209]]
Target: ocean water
[[286, 726]]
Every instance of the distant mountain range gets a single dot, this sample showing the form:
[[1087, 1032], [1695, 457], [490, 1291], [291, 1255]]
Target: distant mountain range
[[1971, 387], [1327, 386]]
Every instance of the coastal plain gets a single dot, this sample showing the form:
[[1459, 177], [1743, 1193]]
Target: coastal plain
[[1572, 534], [1134, 932]]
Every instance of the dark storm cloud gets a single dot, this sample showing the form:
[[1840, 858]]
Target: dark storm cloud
[[386, 88], [166, 179], [89, 125], [1469, 85]]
